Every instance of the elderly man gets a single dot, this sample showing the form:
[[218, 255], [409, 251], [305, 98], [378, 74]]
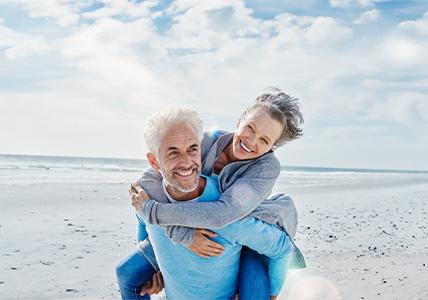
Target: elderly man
[[174, 142]]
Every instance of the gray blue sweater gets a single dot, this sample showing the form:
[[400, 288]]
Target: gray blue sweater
[[244, 186]]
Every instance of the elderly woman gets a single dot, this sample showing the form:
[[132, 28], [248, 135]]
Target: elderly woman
[[246, 168]]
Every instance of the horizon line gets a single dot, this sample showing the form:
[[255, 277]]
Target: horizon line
[[291, 166]]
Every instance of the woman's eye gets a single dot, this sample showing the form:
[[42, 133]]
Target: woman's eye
[[265, 141], [250, 128]]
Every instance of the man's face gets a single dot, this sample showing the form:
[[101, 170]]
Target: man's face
[[180, 157]]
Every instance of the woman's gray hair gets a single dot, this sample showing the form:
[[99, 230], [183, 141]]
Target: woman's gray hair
[[160, 119], [281, 107]]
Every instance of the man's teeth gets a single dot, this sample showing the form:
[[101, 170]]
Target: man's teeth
[[245, 148], [187, 173]]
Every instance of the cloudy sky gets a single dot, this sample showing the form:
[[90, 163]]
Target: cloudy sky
[[78, 78]]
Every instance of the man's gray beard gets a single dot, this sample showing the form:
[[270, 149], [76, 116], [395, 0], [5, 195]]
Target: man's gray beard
[[177, 187]]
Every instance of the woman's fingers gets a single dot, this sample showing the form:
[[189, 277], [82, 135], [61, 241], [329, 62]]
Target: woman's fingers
[[131, 189], [157, 283], [203, 246], [207, 232]]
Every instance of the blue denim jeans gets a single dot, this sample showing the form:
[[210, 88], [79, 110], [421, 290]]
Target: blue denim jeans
[[132, 272], [253, 276]]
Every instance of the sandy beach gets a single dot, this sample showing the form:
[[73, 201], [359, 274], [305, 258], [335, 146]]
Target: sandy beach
[[362, 241]]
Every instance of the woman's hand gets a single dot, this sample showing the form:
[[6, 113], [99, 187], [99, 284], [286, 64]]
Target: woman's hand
[[138, 196], [203, 246], [153, 286]]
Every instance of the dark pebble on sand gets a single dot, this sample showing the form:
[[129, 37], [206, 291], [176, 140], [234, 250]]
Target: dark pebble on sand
[[71, 291], [1, 282]]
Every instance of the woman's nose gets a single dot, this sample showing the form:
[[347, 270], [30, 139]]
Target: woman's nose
[[251, 139]]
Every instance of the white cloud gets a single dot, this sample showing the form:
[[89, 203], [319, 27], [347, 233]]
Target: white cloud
[[67, 20], [406, 108], [123, 8], [420, 25], [368, 16], [212, 55], [61, 10], [205, 25], [399, 51], [348, 3], [20, 45]]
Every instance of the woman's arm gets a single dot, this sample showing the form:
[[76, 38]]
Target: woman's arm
[[249, 188]]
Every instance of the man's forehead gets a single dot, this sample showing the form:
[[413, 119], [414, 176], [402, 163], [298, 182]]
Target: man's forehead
[[178, 136]]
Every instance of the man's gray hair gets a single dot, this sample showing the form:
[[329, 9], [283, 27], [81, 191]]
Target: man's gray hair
[[160, 119], [281, 107]]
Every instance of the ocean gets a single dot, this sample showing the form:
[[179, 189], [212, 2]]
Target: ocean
[[31, 169]]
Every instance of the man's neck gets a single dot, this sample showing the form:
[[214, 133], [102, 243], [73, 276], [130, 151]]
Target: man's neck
[[180, 196]]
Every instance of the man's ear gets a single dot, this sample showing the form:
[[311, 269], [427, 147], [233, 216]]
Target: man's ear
[[152, 161]]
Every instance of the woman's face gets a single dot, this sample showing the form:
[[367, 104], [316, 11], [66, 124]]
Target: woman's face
[[256, 135]]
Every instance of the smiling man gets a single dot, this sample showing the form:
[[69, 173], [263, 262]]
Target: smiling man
[[173, 138]]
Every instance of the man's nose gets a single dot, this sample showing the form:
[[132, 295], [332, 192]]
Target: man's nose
[[185, 161]]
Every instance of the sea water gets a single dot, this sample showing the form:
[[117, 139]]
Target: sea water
[[29, 169]]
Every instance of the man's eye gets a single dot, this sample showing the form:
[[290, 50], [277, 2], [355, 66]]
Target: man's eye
[[265, 141], [193, 149]]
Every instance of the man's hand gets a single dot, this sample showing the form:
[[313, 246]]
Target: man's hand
[[153, 286], [138, 196], [203, 246]]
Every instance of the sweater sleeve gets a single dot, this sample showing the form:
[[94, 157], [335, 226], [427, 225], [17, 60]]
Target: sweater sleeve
[[241, 197]]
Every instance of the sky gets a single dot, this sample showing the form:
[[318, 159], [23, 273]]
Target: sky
[[79, 78]]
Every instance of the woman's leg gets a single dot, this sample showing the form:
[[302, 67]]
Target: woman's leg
[[132, 272], [253, 276]]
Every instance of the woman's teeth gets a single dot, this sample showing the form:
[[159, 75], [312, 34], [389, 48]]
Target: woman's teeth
[[245, 148]]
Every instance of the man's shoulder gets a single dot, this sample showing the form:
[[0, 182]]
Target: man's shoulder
[[211, 192]]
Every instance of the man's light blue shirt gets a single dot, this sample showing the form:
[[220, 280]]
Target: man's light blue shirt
[[188, 276]]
